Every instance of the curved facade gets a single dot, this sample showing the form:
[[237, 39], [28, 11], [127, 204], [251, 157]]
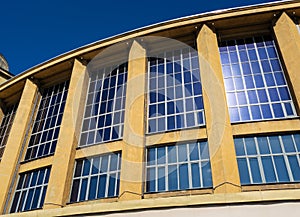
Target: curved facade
[[194, 116]]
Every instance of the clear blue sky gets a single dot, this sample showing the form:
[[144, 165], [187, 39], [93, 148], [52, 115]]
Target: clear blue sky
[[34, 31]]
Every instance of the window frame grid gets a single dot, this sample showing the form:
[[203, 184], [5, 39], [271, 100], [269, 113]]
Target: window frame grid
[[101, 76], [259, 157], [251, 76], [177, 163], [40, 128], [116, 174], [21, 207], [174, 59], [5, 126]]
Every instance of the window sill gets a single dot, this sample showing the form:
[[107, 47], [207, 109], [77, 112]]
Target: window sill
[[178, 193], [269, 187]]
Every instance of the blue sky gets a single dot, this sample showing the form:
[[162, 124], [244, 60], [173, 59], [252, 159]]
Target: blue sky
[[34, 31]]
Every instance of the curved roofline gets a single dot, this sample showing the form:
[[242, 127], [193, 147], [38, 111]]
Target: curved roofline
[[191, 19]]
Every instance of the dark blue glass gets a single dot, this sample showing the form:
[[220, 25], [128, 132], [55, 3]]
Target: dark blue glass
[[172, 157], [281, 169], [104, 164], [256, 113], [152, 126], [252, 96], [36, 198], [183, 176], [86, 167], [273, 94], [161, 124], [288, 143], [275, 144], [161, 179], [279, 78], [204, 152], [266, 111], [288, 109], [189, 105], [172, 178], [284, 94], [28, 200], [195, 175], [252, 55], [194, 151], [266, 66], [277, 108], [171, 122], [151, 156], [101, 186], [243, 56], [268, 169], [113, 162], [250, 146], [262, 95], [294, 164], [246, 68], [270, 80], [199, 102], [190, 119], [170, 107], [83, 189], [239, 147], [255, 172], [111, 186], [275, 65], [161, 155], [258, 81], [161, 109], [245, 115], [233, 57], [272, 52], [263, 145], [95, 165], [206, 174], [182, 153], [262, 53], [93, 188], [34, 179], [255, 68], [249, 81]]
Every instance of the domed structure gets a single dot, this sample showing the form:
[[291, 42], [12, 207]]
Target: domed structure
[[198, 116]]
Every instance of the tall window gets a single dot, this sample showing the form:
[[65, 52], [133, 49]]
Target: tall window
[[268, 159], [47, 123], [104, 111], [96, 177], [5, 127], [178, 167], [31, 190], [255, 84], [174, 91]]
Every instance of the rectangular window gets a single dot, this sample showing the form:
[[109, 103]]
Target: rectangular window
[[31, 190], [5, 126], [47, 123], [255, 83], [178, 167], [105, 106], [96, 177], [268, 159], [174, 91]]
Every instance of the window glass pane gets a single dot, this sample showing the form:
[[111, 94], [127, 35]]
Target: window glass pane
[[99, 182], [268, 169], [177, 93], [239, 147], [288, 143], [259, 73], [31, 194], [294, 164], [281, 169], [243, 171], [250, 146], [192, 170], [47, 122], [255, 172], [107, 106]]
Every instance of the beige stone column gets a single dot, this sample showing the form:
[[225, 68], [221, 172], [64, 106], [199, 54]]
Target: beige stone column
[[221, 145], [288, 38], [133, 151], [62, 168], [14, 146]]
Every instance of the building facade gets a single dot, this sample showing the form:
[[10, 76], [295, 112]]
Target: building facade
[[194, 116]]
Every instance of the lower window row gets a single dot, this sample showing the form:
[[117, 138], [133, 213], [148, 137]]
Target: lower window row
[[261, 160]]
